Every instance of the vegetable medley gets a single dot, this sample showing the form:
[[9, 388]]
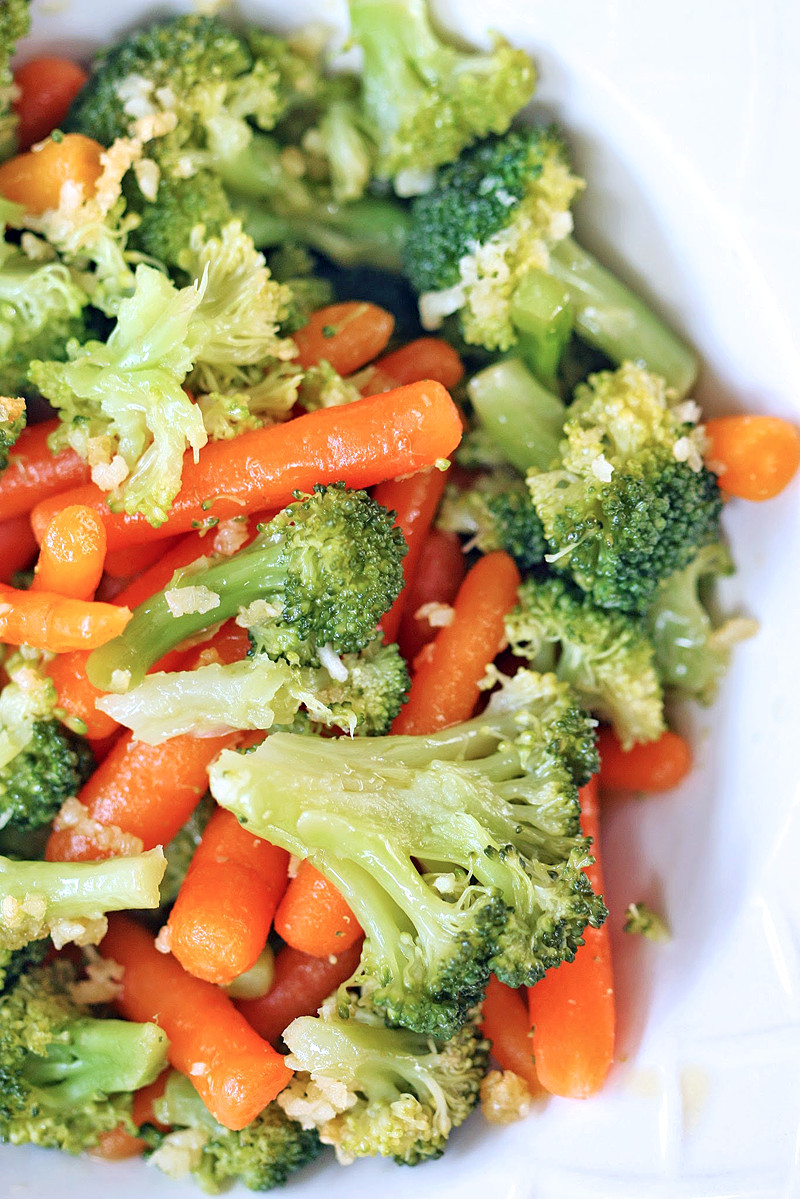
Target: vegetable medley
[[356, 507]]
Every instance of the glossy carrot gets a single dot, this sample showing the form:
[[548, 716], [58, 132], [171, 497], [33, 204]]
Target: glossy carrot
[[756, 456], [572, 1010], [34, 179], [72, 554], [505, 1023], [45, 88], [34, 474], [117, 1144], [445, 688], [347, 335], [236, 1072], [399, 432], [142, 1110], [424, 358], [439, 574], [314, 917], [415, 501], [301, 984], [50, 622], [223, 913], [147, 791], [657, 766], [18, 546], [77, 696]]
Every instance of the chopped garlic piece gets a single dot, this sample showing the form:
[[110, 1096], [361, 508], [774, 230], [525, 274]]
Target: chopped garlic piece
[[333, 663], [185, 601], [505, 1097], [602, 469], [438, 616]]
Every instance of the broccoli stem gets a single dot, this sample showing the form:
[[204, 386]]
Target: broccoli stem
[[615, 320], [543, 316], [521, 416], [97, 1058]]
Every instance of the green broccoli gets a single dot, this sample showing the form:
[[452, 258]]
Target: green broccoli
[[371, 1090], [692, 652], [489, 810], [42, 762], [324, 569], [491, 242], [425, 100], [630, 500], [324, 387], [166, 223], [641, 920], [66, 1077], [261, 1155], [12, 422], [495, 512], [16, 962], [524, 420], [606, 657], [15, 22], [68, 901]]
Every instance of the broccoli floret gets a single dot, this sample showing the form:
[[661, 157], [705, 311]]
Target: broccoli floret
[[641, 920], [324, 569], [268, 401], [495, 512], [16, 962], [606, 657], [324, 387], [12, 422], [15, 22], [522, 418], [362, 696], [630, 501], [165, 225], [425, 100], [68, 901], [692, 652], [261, 1156], [490, 811], [42, 762], [483, 241], [65, 1076], [371, 1090]]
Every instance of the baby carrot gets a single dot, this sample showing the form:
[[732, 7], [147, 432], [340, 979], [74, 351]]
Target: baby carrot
[[505, 1023], [45, 88], [77, 696], [572, 1009], [17, 546], [34, 474], [424, 358], [445, 688], [657, 766], [124, 564], [52, 622], [72, 554], [396, 433], [756, 456], [34, 179], [314, 917], [236, 1073], [415, 501], [301, 984], [223, 913], [347, 335], [440, 572], [142, 1110], [117, 1144]]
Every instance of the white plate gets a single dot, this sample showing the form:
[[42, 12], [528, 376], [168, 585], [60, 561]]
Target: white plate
[[683, 117]]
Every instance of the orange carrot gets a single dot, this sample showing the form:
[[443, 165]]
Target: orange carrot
[[314, 917], [380, 437], [17, 546], [147, 791], [184, 552], [347, 335], [72, 554], [142, 1110], [756, 456], [657, 766], [34, 474], [439, 574], [223, 913], [77, 696], [505, 1023], [445, 688], [34, 179], [425, 358], [51, 622], [301, 983], [572, 1009], [124, 564], [117, 1144], [415, 501], [45, 88], [236, 1073]]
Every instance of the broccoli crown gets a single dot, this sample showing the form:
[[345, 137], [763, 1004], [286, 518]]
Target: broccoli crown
[[490, 218], [261, 1156], [631, 500], [12, 422], [371, 1090], [15, 21], [66, 1077], [495, 512], [326, 569], [16, 962], [489, 808], [692, 652], [68, 901], [424, 101], [165, 225], [605, 656]]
